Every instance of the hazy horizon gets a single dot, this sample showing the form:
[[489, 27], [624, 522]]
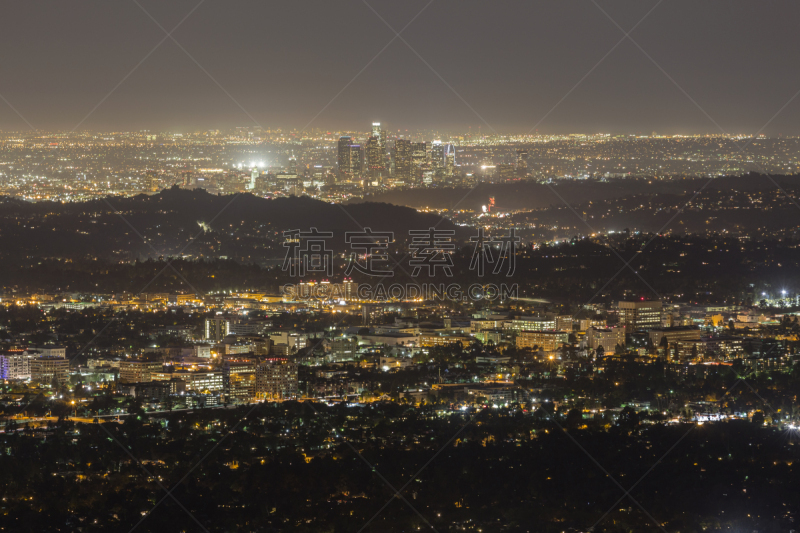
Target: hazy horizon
[[508, 66], [415, 132]]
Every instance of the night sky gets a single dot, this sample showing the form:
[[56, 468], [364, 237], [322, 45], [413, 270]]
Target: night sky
[[511, 61]]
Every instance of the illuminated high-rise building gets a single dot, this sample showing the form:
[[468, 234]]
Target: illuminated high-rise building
[[356, 160], [376, 152], [253, 176], [402, 159], [374, 156], [636, 315], [217, 328], [349, 158], [449, 159], [152, 182], [442, 157], [522, 163], [409, 158], [437, 155], [419, 155], [343, 156]]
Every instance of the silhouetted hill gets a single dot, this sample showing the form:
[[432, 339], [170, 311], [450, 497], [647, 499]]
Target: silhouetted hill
[[533, 195], [242, 226]]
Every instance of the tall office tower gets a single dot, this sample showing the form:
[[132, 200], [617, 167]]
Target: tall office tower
[[376, 152], [449, 160], [188, 180], [419, 157], [437, 155], [349, 158], [356, 161], [504, 171], [349, 290], [402, 159], [276, 380], [376, 160], [385, 151], [343, 157], [253, 176], [636, 315], [152, 182], [522, 163], [217, 328], [409, 158], [292, 164]]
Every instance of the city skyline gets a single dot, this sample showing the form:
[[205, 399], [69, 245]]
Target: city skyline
[[378, 266]]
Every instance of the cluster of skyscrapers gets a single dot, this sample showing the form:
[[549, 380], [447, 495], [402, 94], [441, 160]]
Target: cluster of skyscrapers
[[375, 161]]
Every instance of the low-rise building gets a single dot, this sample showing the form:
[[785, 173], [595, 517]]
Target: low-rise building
[[48, 369], [137, 371], [608, 338], [50, 350], [239, 380], [200, 381], [531, 323], [429, 340], [16, 364], [158, 390], [547, 341], [674, 334], [344, 349], [276, 380]]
